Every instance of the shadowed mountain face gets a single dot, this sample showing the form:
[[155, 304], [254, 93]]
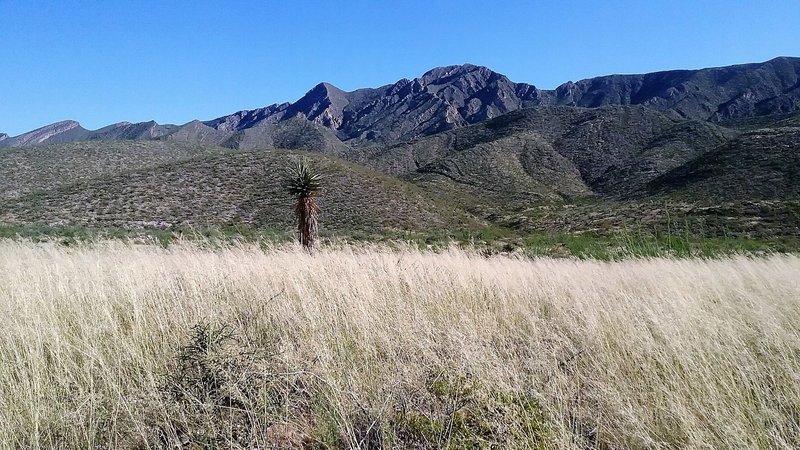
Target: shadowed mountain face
[[452, 97], [550, 154], [759, 165]]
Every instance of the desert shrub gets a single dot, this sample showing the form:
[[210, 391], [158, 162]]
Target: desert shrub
[[454, 410], [223, 392]]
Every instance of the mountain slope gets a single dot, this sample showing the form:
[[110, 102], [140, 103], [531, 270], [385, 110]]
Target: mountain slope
[[568, 169], [43, 168], [293, 134], [224, 188], [759, 165], [548, 154]]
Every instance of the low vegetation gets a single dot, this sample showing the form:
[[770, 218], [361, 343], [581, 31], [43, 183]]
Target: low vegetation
[[229, 189], [608, 245], [116, 345]]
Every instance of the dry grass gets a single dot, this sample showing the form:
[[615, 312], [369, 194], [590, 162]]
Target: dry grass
[[360, 347]]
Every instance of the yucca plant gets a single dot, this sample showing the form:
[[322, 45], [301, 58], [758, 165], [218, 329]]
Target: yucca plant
[[304, 183]]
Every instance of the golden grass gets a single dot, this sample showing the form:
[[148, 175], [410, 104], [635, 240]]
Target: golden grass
[[635, 354]]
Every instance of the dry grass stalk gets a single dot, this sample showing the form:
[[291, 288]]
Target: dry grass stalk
[[635, 354]]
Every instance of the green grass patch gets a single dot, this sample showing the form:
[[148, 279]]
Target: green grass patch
[[492, 239], [629, 245]]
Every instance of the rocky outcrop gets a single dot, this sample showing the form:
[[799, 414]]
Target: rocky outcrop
[[127, 130], [323, 105], [65, 131], [247, 119]]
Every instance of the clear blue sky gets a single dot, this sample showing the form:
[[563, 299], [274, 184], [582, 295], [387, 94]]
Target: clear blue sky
[[101, 62]]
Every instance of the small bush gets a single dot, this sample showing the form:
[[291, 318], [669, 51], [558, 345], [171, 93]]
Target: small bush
[[456, 411], [223, 393]]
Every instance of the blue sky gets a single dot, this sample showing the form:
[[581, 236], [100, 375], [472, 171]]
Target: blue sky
[[101, 62]]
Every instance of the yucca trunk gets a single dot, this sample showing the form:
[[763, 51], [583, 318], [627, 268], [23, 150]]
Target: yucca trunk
[[306, 210]]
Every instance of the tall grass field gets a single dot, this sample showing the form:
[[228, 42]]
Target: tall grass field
[[115, 345]]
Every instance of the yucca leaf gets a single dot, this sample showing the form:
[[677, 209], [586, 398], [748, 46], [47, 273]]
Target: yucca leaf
[[302, 180]]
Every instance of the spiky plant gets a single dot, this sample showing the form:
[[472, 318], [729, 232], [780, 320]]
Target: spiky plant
[[304, 183]]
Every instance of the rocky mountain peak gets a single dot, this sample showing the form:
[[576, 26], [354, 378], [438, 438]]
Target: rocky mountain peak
[[63, 125], [324, 105], [453, 96], [324, 92], [3, 136], [447, 74], [327, 89]]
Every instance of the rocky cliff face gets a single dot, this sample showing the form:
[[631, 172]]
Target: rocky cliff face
[[455, 96]]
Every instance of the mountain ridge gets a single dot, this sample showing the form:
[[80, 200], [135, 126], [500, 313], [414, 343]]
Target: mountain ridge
[[455, 96]]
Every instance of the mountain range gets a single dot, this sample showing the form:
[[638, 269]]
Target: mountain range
[[451, 97], [462, 147]]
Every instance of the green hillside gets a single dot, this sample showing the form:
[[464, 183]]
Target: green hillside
[[548, 155], [759, 165], [43, 168], [222, 189]]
